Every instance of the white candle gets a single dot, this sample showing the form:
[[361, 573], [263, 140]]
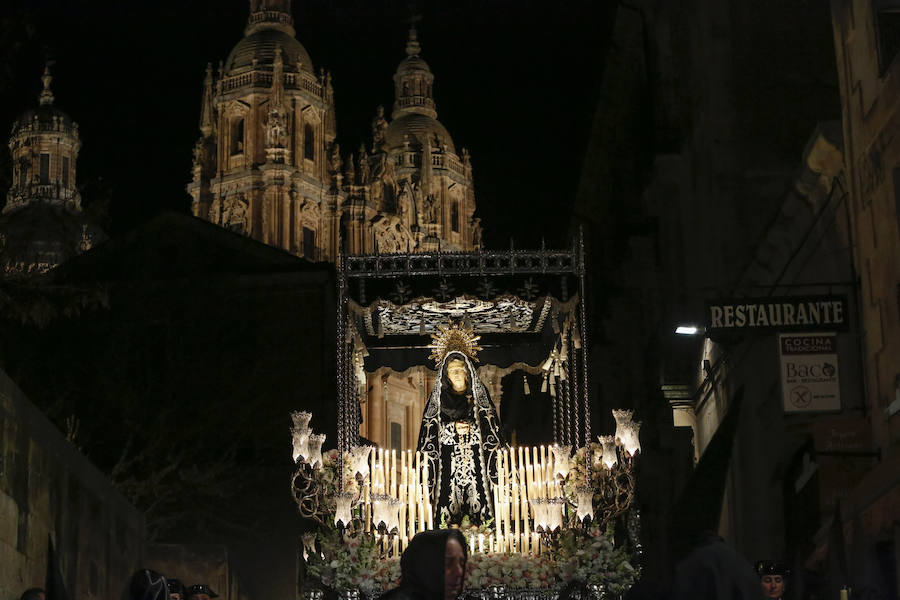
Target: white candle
[[497, 517], [529, 474], [481, 542], [410, 495], [544, 465], [384, 459], [515, 508], [393, 473]]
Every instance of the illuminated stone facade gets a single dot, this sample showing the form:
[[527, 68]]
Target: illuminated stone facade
[[866, 38], [42, 223], [267, 164]]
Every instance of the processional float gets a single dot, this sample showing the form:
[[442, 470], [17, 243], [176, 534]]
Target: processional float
[[550, 500]]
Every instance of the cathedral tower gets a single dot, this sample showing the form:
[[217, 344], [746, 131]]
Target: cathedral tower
[[267, 165], [261, 165], [42, 223], [44, 147], [419, 188], [438, 180]]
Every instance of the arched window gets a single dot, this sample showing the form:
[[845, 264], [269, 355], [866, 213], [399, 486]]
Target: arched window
[[309, 143], [454, 216], [237, 136]]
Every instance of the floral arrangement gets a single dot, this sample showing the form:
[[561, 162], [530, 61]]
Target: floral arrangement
[[577, 476], [349, 563], [326, 477], [387, 576], [514, 571], [469, 530], [590, 558], [584, 556]]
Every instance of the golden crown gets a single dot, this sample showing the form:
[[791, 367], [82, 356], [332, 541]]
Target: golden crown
[[455, 338]]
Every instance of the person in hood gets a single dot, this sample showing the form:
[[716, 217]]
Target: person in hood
[[714, 570], [433, 567], [147, 584], [772, 576]]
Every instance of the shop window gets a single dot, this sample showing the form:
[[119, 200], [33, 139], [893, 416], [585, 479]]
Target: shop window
[[309, 143], [237, 136]]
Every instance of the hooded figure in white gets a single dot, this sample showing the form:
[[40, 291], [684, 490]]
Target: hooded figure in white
[[460, 440]]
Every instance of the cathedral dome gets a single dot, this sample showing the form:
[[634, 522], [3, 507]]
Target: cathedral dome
[[412, 64], [416, 128], [46, 116], [262, 45]]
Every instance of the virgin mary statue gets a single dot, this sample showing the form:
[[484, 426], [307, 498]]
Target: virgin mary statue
[[460, 432]]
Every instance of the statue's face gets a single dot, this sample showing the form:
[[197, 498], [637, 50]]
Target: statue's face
[[457, 375]]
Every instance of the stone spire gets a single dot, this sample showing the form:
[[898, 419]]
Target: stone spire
[[46, 97], [206, 106], [413, 47], [270, 14]]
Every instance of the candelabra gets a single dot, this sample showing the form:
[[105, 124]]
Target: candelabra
[[539, 490], [310, 497]]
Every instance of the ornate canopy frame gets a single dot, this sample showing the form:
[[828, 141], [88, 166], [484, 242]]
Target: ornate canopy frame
[[518, 301]]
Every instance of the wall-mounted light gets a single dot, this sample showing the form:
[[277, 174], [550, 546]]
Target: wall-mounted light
[[687, 330]]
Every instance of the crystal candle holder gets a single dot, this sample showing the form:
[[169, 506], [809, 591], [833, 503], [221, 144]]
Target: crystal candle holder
[[314, 449], [300, 441], [609, 458], [342, 512], [360, 457], [562, 463]]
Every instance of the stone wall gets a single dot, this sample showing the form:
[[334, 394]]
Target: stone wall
[[50, 491]]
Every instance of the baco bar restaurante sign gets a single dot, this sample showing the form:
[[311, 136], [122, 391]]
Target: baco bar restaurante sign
[[809, 313]]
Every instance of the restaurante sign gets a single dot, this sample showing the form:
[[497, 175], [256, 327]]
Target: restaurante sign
[[809, 313]]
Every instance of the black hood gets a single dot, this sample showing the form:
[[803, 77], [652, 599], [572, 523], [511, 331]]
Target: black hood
[[422, 563]]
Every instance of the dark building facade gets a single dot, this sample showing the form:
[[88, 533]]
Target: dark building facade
[[715, 171], [183, 379]]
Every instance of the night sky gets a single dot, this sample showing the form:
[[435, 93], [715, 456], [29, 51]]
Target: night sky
[[515, 82]]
